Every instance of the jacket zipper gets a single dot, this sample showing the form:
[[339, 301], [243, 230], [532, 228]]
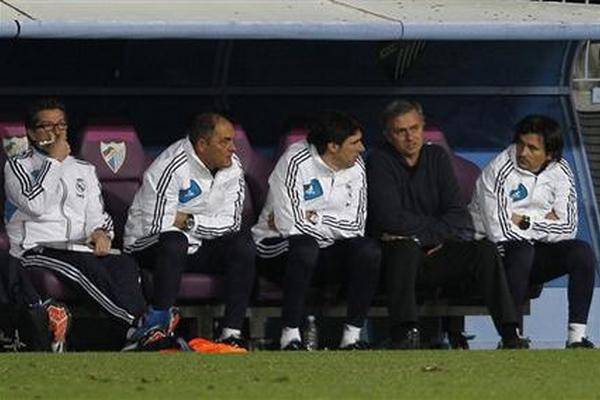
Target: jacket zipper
[[62, 209]]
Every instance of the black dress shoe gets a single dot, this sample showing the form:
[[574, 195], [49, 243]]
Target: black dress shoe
[[295, 345], [517, 343], [410, 340], [234, 341], [358, 345], [459, 340], [584, 344]]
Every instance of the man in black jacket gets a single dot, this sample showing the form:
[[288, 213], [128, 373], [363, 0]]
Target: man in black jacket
[[415, 209]]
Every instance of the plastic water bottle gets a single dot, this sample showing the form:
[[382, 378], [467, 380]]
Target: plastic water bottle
[[311, 335]]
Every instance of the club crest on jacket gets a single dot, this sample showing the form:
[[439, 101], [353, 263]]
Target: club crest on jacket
[[313, 189], [519, 193]]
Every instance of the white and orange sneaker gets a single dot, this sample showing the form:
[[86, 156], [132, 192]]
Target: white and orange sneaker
[[59, 322]]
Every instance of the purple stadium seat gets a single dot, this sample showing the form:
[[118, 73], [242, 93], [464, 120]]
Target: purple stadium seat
[[10, 127], [49, 285], [257, 169], [200, 286], [3, 238], [195, 287], [14, 141], [120, 161], [293, 136], [466, 171], [4, 244]]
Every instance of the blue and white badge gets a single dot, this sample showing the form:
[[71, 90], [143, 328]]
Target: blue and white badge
[[9, 210], [190, 193], [519, 193], [114, 154], [313, 189]]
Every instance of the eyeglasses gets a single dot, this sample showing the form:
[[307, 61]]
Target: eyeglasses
[[49, 127]]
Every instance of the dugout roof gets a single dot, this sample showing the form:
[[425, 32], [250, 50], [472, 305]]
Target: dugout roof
[[299, 19]]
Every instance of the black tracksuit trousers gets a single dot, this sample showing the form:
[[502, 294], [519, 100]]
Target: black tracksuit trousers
[[529, 264], [353, 262], [231, 255], [473, 265]]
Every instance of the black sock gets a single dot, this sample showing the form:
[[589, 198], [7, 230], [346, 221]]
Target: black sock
[[509, 332]]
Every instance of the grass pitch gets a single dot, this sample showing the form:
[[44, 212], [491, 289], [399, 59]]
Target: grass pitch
[[543, 374]]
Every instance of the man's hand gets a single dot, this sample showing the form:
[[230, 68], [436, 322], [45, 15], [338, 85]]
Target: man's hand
[[101, 241], [271, 221], [312, 216], [59, 149], [552, 216], [181, 220], [516, 218]]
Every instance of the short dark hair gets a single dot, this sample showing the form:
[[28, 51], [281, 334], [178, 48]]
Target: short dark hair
[[548, 128], [397, 108], [38, 105], [202, 126], [331, 127]]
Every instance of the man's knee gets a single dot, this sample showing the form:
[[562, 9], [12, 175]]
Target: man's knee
[[241, 245], [241, 252], [486, 257], [485, 248], [405, 247], [519, 251], [581, 255], [304, 247], [368, 250], [173, 243], [126, 261], [401, 255], [126, 265]]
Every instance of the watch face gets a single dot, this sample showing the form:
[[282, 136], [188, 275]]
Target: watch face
[[189, 223], [524, 224]]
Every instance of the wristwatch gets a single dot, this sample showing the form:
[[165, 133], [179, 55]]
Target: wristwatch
[[189, 223], [313, 217], [525, 222]]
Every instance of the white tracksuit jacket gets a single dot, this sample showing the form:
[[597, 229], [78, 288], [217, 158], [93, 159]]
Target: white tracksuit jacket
[[302, 182], [503, 188], [178, 181], [49, 200]]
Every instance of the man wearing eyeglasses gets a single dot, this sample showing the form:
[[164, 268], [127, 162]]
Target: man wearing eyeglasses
[[54, 199]]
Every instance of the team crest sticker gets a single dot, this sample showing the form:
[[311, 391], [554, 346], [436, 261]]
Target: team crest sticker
[[114, 154], [80, 187]]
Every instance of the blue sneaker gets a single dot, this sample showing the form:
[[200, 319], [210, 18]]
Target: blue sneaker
[[151, 327]]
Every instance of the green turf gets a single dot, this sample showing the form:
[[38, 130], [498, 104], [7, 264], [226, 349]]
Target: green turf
[[320, 375]]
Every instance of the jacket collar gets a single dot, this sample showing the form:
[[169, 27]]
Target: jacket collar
[[512, 155], [37, 154], [390, 149], [189, 149], [317, 158]]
